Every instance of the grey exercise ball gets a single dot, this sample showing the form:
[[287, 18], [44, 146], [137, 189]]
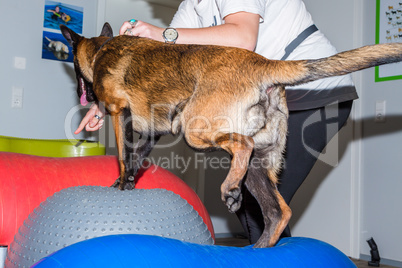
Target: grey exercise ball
[[80, 213]]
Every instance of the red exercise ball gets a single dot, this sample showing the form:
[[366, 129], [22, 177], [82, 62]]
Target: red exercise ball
[[27, 180]]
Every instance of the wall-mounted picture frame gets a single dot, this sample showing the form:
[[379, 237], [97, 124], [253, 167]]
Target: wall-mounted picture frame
[[57, 13], [388, 30], [54, 46]]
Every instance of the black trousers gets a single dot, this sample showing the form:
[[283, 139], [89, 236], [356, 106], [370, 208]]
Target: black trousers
[[309, 131]]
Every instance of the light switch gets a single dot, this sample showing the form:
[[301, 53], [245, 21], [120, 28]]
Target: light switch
[[16, 97], [380, 111], [19, 63]]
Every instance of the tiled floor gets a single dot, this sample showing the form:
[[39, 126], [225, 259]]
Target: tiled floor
[[241, 242]]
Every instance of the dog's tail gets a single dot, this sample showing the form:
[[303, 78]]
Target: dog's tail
[[303, 71]]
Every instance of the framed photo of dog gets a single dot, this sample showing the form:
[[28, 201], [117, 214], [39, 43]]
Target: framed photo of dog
[[388, 30]]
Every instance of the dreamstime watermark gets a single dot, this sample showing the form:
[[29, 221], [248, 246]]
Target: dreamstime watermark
[[201, 124]]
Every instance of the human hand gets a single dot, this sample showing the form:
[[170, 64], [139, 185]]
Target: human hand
[[93, 120], [142, 29]]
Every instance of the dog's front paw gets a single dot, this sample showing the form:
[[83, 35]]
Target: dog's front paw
[[128, 184], [116, 183], [233, 199]]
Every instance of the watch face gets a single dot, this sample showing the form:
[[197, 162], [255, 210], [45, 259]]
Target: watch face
[[170, 34]]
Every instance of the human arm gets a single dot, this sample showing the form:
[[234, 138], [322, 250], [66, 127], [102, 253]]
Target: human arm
[[239, 30]]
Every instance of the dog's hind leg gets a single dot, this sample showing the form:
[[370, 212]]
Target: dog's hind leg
[[264, 166], [240, 148], [275, 211]]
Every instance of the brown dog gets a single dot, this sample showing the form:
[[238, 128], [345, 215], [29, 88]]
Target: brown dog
[[217, 97]]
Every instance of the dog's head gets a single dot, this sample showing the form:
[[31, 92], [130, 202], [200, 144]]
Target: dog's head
[[84, 51]]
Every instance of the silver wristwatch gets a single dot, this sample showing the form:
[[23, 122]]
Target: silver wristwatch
[[170, 35]]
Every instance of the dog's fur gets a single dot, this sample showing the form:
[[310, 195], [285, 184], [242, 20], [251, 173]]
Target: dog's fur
[[217, 97]]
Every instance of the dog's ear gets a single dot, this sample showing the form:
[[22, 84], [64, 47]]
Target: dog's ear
[[107, 30], [72, 38]]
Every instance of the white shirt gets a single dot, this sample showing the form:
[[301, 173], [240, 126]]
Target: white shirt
[[281, 22]]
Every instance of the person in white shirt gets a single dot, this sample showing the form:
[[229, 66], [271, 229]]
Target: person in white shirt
[[275, 29]]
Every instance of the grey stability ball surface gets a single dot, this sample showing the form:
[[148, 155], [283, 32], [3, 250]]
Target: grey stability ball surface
[[80, 213]]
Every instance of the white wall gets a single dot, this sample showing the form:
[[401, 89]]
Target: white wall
[[49, 86], [381, 158], [156, 12]]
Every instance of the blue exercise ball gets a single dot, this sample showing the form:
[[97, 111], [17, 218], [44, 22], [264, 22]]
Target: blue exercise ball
[[152, 251]]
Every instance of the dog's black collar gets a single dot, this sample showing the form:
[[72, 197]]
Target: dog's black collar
[[105, 43]]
